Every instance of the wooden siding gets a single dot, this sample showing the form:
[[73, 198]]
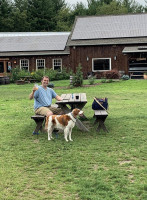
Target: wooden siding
[[32, 61], [79, 54]]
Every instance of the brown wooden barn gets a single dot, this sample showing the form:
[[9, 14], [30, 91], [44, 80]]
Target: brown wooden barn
[[103, 43], [99, 43]]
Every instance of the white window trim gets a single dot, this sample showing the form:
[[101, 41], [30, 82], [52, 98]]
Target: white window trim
[[53, 62], [36, 63], [100, 59], [28, 64]]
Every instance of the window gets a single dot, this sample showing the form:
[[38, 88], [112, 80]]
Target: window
[[24, 64], [57, 64], [101, 64], [40, 64]]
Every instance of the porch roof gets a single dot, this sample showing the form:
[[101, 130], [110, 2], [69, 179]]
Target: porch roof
[[136, 49]]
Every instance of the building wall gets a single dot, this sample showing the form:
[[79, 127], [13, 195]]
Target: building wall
[[32, 61], [84, 55]]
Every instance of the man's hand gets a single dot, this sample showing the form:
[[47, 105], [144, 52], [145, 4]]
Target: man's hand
[[34, 88], [58, 98], [31, 96]]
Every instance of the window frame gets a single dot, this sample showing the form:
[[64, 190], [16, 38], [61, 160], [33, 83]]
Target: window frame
[[93, 59], [54, 65], [37, 65], [24, 67]]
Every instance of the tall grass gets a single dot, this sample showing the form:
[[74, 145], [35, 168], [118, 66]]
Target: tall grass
[[95, 166]]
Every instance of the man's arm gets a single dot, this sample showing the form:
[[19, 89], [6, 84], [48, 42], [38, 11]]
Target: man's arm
[[58, 98], [31, 96]]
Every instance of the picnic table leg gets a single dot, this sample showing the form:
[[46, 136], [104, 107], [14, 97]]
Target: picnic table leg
[[101, 126], [65, 109], [80, 125], [101, 123]]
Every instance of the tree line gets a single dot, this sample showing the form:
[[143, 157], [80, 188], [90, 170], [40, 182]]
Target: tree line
[[56, 15]]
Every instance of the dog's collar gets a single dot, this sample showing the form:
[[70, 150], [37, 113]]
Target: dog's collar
[[73, 118]]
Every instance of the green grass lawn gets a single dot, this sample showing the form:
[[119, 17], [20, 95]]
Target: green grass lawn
[[95, 166]]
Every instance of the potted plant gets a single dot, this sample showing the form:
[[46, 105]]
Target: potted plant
[[145, 75]]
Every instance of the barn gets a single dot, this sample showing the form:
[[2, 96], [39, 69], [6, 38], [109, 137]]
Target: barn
[[103, 43], [98, 43]]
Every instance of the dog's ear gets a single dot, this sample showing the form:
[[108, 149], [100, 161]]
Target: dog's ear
[[76, 111]]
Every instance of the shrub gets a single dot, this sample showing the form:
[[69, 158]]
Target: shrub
[[64, 75], [112, 74], [38, 74], [78, 77], [23, 73], [103, 80], [51, 74], [14, 74], [125, 77], [17, 73], [109, 81], [91, 80]]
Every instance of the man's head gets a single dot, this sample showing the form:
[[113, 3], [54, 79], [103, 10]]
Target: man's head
[[45, 81]]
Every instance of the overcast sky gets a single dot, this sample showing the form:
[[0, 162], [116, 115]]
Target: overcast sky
[[71, 2]]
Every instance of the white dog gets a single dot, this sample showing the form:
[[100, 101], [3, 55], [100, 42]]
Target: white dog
[[64, 122]]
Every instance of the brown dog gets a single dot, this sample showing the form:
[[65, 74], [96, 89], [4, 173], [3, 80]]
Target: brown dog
[[64, 122]]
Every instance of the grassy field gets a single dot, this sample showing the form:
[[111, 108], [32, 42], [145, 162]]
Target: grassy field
[[95, 166]]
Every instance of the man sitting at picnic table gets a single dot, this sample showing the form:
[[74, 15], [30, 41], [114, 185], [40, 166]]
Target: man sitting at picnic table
[[43, 99]]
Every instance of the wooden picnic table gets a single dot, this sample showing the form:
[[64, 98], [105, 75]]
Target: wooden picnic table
[[26, 79], [75, 100]]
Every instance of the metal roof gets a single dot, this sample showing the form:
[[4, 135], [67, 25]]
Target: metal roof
[[102, 27], [15, 42]]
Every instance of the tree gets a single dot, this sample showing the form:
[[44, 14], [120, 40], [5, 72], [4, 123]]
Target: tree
[[78, 77], [55, 15], [132, 6], [92, 6], [21, 5], [104, 7], [5, 15], [79, 10], [20, 21], [114, 7], [64, 22], [42, 14]]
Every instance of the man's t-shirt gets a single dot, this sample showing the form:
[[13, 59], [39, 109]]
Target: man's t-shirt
[[43, 97]]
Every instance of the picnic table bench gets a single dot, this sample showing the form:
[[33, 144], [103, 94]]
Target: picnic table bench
[[39, 119], [100, 116]]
